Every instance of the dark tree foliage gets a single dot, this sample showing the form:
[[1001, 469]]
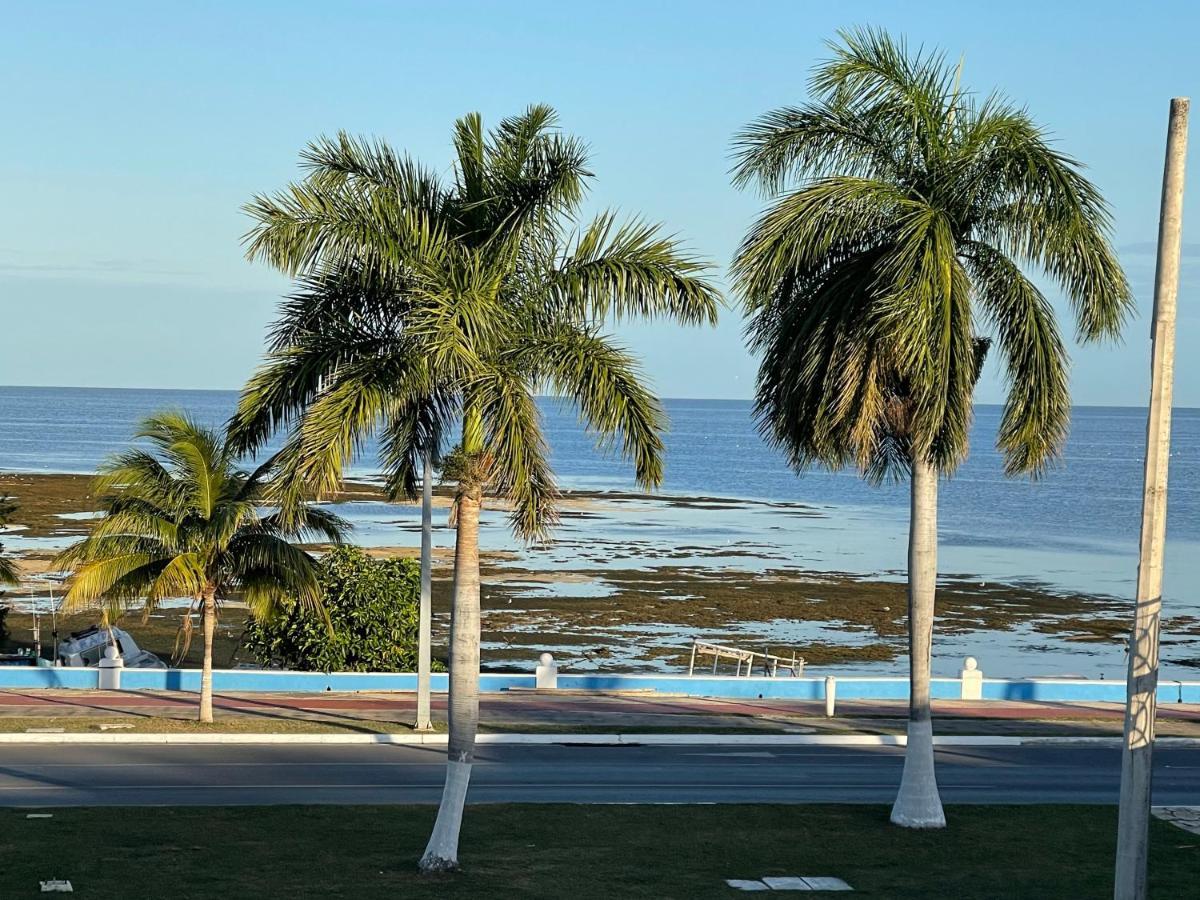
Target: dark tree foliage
[[372, 606], [8, 569]]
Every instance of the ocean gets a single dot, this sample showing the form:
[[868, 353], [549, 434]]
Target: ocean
[[1075, 529]]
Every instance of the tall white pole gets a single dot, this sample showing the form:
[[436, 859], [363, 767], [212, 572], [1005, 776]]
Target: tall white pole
[[425, 625], [1142, 685]]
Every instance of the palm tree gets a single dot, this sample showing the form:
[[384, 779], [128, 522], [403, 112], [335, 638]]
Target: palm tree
[[902, 209], [179, 519], [468, 298], [9, 574]]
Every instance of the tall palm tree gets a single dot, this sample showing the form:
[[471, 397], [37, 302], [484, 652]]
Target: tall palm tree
[[179, 519], [9, 574], [901, 212], [469, 298]]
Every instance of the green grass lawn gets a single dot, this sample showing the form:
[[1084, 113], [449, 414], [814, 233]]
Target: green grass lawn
[[577, 851]]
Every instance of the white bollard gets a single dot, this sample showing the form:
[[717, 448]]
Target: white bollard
[[830, 695], [972, 680], [546, 673], [108, 678]]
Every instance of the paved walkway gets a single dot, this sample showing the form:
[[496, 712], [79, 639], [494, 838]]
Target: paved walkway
[[512, 711]]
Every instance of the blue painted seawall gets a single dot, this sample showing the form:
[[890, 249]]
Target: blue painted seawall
[[848, 687]]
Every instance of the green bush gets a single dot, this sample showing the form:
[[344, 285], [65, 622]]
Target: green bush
[[373, 607]]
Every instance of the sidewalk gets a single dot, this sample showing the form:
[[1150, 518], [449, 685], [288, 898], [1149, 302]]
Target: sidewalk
[[577, 713]]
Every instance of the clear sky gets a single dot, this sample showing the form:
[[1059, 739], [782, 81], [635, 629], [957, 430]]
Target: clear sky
[[134, 132]]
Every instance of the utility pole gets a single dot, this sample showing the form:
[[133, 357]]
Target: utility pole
[[1142, 682]]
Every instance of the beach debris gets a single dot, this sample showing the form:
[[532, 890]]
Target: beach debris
[[57, 886], [109, 726], [39, 815]]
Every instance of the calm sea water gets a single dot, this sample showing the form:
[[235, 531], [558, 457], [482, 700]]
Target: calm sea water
[[1092, 496]]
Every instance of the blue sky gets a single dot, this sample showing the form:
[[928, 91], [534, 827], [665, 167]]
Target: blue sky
[[135, 131]]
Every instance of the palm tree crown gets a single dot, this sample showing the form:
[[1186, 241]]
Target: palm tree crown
[[179, 519], [902, 210], [424, 303]]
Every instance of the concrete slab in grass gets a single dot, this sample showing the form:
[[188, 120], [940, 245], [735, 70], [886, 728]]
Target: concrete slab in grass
[[786, 883], [825, 883], [1185, 817], [790, 883]]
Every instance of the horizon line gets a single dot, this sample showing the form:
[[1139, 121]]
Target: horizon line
[[79, 387]]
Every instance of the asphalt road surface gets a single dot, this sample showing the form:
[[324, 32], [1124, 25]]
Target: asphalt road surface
[[180, 774]]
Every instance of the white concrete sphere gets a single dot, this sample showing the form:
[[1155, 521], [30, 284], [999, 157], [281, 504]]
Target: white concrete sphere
[[970, 664], [546, 659]]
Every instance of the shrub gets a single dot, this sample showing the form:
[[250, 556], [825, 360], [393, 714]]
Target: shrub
[[373, 608]]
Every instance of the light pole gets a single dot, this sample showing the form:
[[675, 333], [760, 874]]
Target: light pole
[[1142, 684]]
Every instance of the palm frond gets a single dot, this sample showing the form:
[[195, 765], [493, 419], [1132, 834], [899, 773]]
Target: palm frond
[[1037, 413], [632, 271], [608, 388], [516, 448], [10, 573]]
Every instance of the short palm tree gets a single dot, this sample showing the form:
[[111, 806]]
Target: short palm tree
[[435, 305], [901, 212], [179, 519], [9, 574]]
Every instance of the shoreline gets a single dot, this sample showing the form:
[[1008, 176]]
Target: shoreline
[[605, 603]]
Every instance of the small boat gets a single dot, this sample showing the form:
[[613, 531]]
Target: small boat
[[86, 648]]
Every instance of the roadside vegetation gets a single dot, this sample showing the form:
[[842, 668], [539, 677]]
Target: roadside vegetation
[[366, 621]]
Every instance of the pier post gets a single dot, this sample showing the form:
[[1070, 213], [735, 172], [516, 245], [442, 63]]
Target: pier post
[[108, 678], [972, 680], [546, 674]]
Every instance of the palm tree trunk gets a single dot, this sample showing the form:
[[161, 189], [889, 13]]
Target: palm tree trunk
[[425, 626], [208, 615], [918, 804], [441, 854]]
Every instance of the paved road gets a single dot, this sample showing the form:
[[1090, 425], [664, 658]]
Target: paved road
[[85, 775]]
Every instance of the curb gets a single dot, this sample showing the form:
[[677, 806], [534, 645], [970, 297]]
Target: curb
[[628, 740]]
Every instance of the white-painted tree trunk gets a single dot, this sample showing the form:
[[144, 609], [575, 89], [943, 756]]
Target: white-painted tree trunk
[[441, 854], [425, 623], [208, 615], [1133, 826], [918, 804]]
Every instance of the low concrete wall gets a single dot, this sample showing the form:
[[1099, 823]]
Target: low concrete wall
[[274, 681], [848, 687], [46, 677]]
